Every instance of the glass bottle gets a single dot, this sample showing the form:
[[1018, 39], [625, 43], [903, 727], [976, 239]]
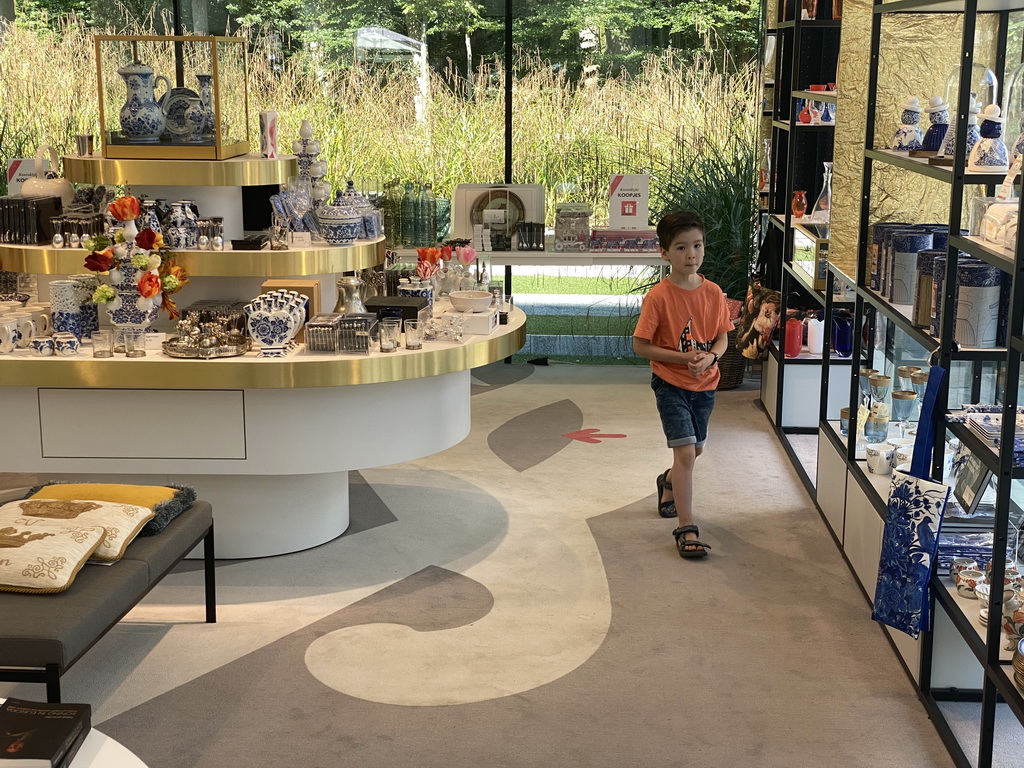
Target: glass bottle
[[393, 215], [766, 165], [842, 333], [429, 214], [420, 204], [823, 205], [408, 217]]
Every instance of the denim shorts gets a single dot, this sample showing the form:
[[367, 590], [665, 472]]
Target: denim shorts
[[684, 414]]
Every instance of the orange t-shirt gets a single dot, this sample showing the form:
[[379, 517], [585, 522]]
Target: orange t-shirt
[[684, 320]]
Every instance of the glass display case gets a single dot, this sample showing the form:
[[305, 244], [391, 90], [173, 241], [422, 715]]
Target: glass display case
[[172, 97]]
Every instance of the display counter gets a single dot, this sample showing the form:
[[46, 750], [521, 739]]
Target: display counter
[[268, 441]]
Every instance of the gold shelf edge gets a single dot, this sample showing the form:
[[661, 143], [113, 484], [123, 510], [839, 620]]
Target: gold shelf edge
[[250, 373], [243, 171], [324, 260]]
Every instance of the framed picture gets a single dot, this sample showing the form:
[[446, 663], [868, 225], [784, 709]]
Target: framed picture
[[971, 483]]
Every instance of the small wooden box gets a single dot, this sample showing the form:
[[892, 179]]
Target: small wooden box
[[308, 288]]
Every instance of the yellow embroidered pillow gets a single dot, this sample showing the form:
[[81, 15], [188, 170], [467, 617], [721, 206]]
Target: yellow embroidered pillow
[[139, 495], [121, 522], [44, 558], [167, 502]]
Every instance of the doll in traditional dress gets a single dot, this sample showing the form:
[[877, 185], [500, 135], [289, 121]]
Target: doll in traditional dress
[[908, 135]]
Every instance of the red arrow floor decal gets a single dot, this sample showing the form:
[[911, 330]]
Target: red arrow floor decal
[[588, 436]]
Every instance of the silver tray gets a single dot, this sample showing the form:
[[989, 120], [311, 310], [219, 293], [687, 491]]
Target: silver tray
[[171, 349]]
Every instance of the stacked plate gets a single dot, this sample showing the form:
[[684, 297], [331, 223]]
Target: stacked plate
[[988, 426], [1018, 665]]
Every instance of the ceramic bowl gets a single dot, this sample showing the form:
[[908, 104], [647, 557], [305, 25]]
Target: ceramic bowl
[[470, 301], [1013, 623]]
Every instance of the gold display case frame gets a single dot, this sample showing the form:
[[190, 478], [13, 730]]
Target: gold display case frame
[[219, 150]]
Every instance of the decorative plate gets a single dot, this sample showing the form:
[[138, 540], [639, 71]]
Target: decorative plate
[[498, 209], [174, 105]]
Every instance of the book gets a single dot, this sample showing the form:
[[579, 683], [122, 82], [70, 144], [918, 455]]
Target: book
[[41, 735]]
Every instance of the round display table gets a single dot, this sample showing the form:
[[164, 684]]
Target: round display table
[[268, 441]]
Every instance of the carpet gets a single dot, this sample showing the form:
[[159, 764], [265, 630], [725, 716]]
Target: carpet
[[516, 601]]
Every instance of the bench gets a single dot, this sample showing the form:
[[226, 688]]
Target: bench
[[42, 636]]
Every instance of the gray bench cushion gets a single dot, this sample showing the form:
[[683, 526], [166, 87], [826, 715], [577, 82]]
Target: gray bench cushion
[[45, 629], [161, 551]]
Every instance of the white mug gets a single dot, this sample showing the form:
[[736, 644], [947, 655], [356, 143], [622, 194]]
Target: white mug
[[879, 456], [8, 335], [26, 328], [41, 317]]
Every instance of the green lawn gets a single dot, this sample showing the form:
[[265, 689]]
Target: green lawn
[[599, 286], [580, 325]]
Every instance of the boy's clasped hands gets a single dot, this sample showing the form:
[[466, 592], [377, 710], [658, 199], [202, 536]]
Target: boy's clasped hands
[[700, 363]]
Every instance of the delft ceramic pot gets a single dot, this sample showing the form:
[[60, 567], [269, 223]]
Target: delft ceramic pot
[[66, 310], [977, 305], [142, 119], [177, 234], [966, 581], [149, 218], [66, 344], [339, 224], [990, 154], [87, 285], [908, 136], [905, 246], [938, 117], [962, 564], [42, 345]]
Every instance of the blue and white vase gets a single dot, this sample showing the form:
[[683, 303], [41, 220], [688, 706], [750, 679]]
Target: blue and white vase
[[142, 119], [905, 246], [908, 136], [206, 100], [938, 118], [177, 234], [65, 308], [191, 223], [419, 289], [195, 119], [979, 291], [878, 242], [989, 154], [149, 217]]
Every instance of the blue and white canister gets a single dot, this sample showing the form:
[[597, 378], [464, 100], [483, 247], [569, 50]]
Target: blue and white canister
[[905, 246], [149, 217], [177, 233], [921, 316], [875, 255], [979, 290], [87, 285], [65, 308]]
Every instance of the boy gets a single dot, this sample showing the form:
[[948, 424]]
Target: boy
[[682, 330]]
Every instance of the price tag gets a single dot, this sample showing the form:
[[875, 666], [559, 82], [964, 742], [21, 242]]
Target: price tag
[[300, 239]]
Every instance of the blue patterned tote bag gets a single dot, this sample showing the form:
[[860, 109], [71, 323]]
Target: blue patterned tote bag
[[912, 523]]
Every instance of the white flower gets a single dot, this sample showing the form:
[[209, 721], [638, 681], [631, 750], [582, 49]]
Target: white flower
[[154, 262]]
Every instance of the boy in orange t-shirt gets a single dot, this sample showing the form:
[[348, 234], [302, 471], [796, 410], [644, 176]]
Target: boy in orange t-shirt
[[682, 330]]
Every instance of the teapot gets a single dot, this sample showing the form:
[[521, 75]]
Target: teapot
[[41, 186], [142, 118]]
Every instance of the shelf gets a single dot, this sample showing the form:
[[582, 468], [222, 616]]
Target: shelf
[[827, 96], [808, 358], [921, 165], [947, 6], [980, 448], [990, 253], [250, 170], [555, 258], [315, 260], [767, 112], [811, 24], [1017, 343], [964, 613], [900, 314], [782, 126], [300, 369]]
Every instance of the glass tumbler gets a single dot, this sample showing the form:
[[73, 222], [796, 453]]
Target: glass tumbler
[[413, 334], [390, 333], [134, 342], [844, 421], [102, 343], [876, 429]]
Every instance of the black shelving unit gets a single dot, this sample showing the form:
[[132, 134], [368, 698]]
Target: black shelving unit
[[807, 53], [982, 646]]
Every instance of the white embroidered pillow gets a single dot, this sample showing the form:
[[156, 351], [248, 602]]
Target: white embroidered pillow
[[44, 558], [122, 522]]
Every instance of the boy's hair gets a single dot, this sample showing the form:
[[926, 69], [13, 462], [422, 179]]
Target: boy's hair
[[672, 224]]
